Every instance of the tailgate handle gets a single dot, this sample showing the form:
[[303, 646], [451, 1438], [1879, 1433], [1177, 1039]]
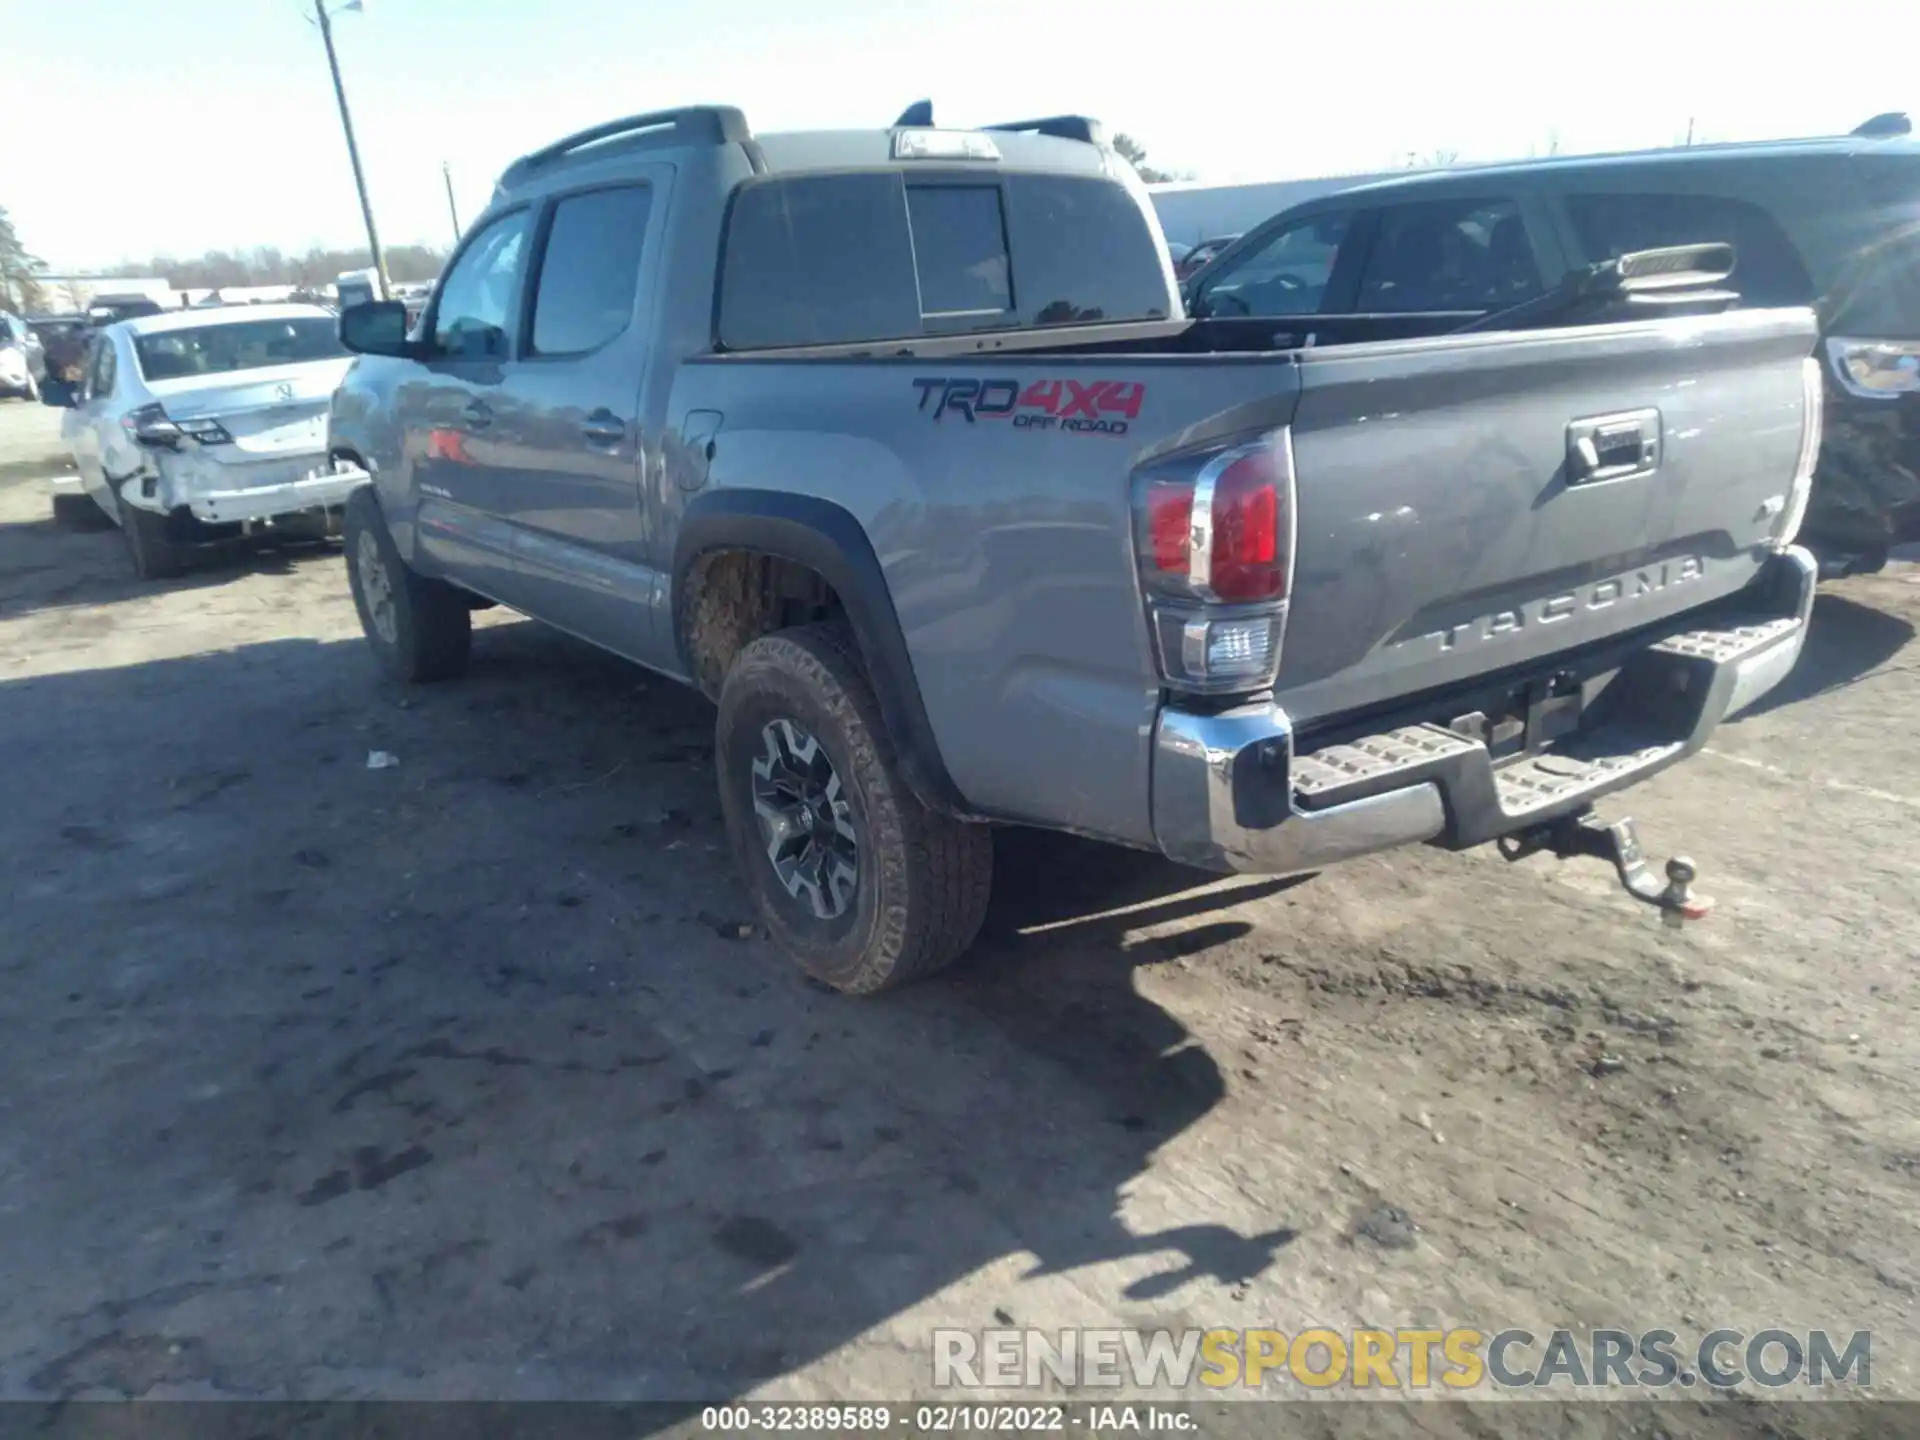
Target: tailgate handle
[[1613, 447]]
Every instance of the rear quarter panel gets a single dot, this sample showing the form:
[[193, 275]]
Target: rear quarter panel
[[1006, 545]]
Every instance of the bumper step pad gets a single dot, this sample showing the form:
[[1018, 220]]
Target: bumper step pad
[[1720, 646], [1320, 778], [1526, 788], [1534, 783]]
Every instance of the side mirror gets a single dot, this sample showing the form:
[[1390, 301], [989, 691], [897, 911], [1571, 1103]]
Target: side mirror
[[377, 328]]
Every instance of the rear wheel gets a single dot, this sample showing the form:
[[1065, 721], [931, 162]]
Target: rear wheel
[[419, 628], [153, 554], [854, 877]]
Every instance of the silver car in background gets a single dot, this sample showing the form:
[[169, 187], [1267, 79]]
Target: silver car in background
[[23, 363], [194, 426]]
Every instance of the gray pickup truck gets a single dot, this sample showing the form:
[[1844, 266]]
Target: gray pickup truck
[[897, 444]]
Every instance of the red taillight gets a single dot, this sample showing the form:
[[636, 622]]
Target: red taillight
[[1224, 534], [1170, 525], [1213, 530], [1248, 559]]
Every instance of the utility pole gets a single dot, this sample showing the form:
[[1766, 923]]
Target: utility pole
[[1689, 129], [353, 150], [453, 213]]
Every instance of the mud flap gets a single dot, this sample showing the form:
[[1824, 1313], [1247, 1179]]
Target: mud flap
[[1617, 842]]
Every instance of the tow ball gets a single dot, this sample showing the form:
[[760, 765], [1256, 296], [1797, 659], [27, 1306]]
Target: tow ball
[[1618, 843]]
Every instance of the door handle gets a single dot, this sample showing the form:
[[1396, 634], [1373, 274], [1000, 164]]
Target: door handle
[[479, 414], [603, 427]]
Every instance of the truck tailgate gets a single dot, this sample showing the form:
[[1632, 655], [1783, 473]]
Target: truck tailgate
[[1452, 523]]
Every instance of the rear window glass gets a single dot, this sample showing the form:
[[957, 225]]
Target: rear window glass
[[1082, 252], [840, 259], [1767, 270], [243, 345], [818, 260], [960, 250]]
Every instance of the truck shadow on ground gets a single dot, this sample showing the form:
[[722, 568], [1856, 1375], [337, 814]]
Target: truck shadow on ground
[[1846, 641], [457, 1078], [1070, 919]]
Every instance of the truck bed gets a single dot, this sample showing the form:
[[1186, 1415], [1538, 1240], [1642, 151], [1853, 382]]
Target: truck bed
[[1438, 536]]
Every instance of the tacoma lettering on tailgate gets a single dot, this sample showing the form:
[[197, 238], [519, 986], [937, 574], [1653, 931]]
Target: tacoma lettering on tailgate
[[1601, 595], [1080, 407]]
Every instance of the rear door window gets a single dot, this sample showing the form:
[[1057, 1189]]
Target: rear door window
[[590, 269], [1455, 254], [1767, 270]]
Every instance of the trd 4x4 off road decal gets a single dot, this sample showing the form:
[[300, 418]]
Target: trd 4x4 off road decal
[[1084, 407]]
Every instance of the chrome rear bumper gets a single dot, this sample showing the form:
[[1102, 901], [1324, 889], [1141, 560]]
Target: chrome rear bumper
[[1230, 793]]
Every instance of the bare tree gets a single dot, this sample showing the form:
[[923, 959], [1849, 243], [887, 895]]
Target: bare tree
[[1135, 154], [19, 269], [313, 269]]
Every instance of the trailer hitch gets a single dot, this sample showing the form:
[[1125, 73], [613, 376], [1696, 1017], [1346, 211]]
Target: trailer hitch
[[1619, 844]]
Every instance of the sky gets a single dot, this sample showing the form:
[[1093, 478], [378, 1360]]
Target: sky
[[185, 125]]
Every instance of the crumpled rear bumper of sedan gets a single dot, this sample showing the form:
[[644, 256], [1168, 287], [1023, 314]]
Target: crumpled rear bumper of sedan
[[229, 494]]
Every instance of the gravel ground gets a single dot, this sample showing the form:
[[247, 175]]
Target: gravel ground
[[458, 1078]]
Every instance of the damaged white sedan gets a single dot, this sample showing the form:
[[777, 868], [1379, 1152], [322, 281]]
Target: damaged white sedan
[[191, 427]]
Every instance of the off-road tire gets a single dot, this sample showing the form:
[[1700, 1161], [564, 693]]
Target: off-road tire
[[153, 554], [420, 629], [923, 878]]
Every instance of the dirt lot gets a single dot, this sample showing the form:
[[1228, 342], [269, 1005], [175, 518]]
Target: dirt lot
[[455, 1078]]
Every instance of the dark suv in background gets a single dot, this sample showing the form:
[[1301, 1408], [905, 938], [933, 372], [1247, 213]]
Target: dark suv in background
[[1831, 222]]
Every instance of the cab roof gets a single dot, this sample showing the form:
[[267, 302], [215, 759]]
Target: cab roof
[[1061, 143]]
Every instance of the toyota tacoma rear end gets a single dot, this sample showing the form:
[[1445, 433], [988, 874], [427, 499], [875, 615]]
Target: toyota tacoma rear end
[[907, 456], [1510, 573]]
